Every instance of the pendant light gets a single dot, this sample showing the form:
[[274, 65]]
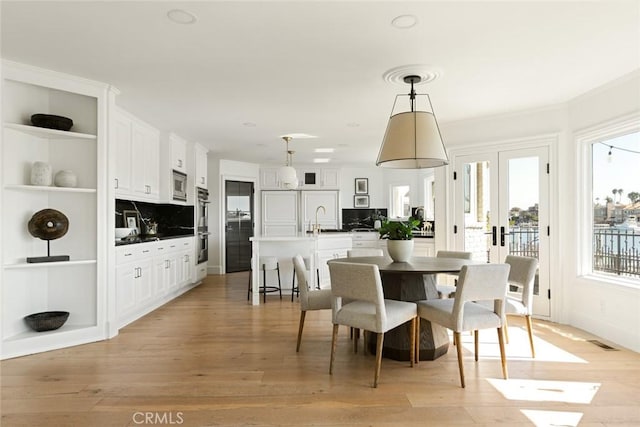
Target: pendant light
[[412, 139], [287, 174]]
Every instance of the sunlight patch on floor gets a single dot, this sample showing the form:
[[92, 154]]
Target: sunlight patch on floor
[[553, 418], [518, 347], [546, 391]]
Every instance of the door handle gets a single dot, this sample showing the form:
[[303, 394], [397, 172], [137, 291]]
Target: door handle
[[502, 234], [494, 235]]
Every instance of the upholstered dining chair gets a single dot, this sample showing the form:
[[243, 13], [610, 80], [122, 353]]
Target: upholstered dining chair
[[351, 253], [310, 299], [480, 282], [519, 302], [447, 291], [367, 309]]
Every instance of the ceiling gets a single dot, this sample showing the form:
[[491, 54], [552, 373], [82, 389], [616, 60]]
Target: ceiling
[[247, 73]]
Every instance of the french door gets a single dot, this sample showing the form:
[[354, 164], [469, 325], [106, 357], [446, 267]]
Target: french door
[[501, 207]]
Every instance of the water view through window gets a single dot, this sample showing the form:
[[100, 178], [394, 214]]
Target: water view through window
[[616, 206]]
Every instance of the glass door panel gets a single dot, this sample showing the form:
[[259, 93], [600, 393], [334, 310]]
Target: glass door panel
[[238, 225]]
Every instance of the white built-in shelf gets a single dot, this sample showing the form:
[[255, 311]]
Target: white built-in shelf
[[49, 264], [64, 329], [21, 187], [48, 133]]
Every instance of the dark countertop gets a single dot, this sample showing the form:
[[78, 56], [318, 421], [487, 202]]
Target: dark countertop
[[146, 239]]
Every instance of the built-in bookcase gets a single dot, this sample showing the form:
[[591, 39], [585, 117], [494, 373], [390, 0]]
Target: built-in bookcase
[[77, 285]]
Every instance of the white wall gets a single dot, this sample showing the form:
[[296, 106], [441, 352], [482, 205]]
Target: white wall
[[605, 309]]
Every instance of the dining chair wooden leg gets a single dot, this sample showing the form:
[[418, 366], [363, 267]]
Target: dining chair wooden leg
[[365, 343], [506, 330], [475, 343], [416, 351], [456, 340], [530, 330], [503, 356], [378, 359], [300, 327], [334, 344], [356, 337], [413, 341]]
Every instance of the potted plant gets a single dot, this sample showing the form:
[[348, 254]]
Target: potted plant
[[400, 236]]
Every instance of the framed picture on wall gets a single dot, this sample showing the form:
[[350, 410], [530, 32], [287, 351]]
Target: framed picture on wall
[[362, 186], [360, 201]]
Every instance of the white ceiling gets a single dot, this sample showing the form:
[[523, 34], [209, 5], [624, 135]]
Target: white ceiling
[[317, 67]]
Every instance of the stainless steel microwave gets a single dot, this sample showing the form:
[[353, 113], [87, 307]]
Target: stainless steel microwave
[[179, 186]]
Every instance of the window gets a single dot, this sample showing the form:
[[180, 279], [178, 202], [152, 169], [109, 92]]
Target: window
[[613, 235], [400, 203]]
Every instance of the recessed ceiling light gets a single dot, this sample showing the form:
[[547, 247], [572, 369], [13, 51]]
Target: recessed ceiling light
[[321, 160], [181, 16], [324, 150], [404, 22], [249, 124]]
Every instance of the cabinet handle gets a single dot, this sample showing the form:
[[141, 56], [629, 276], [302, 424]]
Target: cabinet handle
[[179, 163], [117, 183], [128, 254], [167, 264], [202, 180], [145, 251]]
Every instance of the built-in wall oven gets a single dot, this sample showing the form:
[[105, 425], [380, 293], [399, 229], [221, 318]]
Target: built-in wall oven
[[202, 225]]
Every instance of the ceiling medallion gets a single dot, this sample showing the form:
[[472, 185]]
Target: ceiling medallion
[[427, 73]]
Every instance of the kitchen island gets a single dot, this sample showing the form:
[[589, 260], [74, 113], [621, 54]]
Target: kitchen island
[[318, 247]]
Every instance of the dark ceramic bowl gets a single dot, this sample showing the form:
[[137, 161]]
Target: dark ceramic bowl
[[50, 121], [47, 320]]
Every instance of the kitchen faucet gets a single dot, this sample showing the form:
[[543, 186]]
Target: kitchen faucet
[[316, 227]]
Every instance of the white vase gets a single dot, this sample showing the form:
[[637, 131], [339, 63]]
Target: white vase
[[41, 174], [400, 250], [66, 178]]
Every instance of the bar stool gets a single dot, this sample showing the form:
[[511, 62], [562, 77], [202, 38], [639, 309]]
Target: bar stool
[[267, 263]]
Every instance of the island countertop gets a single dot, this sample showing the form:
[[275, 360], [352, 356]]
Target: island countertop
[[301, 237]]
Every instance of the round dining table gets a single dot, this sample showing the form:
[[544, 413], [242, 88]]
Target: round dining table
[[412, 281]]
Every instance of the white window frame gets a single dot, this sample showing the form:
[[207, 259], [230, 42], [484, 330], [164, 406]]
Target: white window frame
[[391, 213], [584, 141]]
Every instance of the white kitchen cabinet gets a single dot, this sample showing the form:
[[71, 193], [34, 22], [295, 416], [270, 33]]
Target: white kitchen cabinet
[[78, 285], [423, 247], [269, 179], [122, 166], [366, 239], [178, 153], [329, 217], [279, 213], [151, 274], [145, 142], [136, 156], [328, 248], [200, 154], [331, 179]]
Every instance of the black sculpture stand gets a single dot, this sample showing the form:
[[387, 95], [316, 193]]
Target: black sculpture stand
[[49, 257]]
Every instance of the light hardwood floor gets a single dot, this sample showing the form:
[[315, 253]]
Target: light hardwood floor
[[208, 358]]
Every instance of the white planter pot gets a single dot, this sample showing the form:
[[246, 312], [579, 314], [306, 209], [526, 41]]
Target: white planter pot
[[400, 250]]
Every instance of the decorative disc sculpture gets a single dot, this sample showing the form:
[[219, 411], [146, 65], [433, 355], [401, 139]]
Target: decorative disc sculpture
[[48, 224]]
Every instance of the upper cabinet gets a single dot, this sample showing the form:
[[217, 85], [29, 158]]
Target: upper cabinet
[[75, 283], [178, 153], [200, 153], [137, 156], [308, 179]]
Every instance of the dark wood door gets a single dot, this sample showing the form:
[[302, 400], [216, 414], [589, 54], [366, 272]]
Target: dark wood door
[[239, 222]]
